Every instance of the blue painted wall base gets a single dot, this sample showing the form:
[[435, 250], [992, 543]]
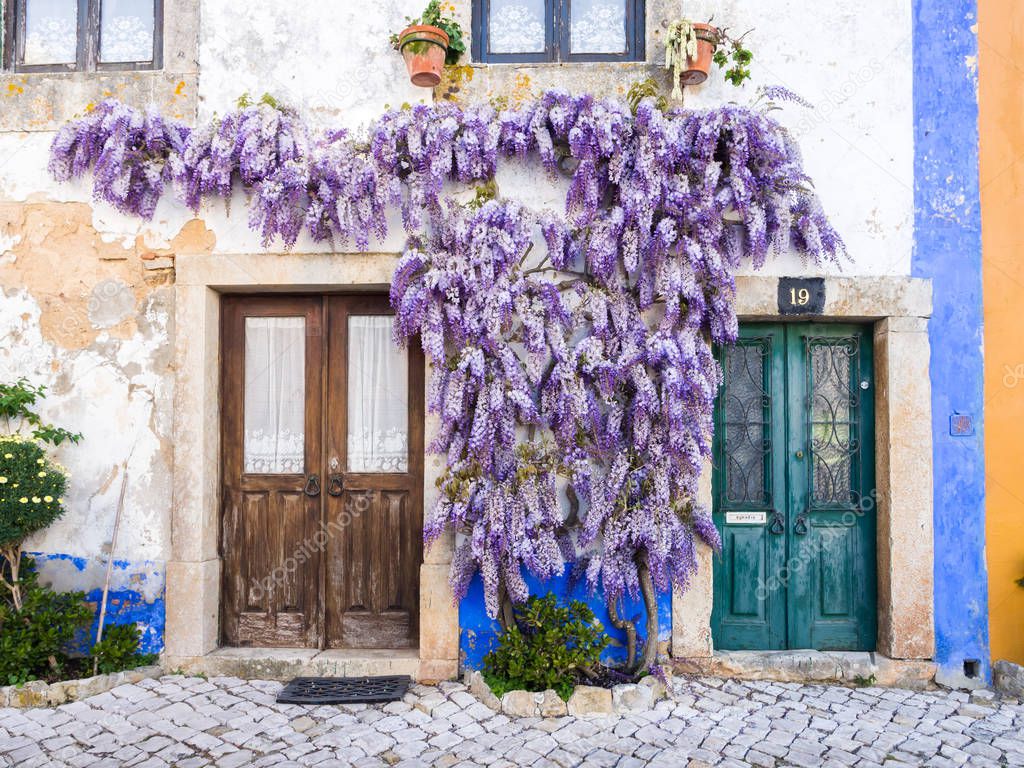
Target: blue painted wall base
[[136, 593], [478, 633]]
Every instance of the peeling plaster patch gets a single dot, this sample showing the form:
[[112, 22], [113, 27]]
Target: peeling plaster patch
[[342, 73], [111, 302], [117, 392]]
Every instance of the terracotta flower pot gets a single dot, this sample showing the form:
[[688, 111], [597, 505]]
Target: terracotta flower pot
[[697, 69], [423, 47]]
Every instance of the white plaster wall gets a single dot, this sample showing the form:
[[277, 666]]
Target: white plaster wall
[[334, 63], [331, 60], [853, 62]]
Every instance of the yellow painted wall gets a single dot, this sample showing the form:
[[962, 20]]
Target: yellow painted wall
[[1001, 99]]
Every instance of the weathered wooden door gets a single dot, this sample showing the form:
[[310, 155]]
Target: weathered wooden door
[[794, 490], [322, 444], [374, 479], [272, 416]]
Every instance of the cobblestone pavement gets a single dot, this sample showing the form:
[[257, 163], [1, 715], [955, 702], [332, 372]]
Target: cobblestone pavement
[[192, 722]]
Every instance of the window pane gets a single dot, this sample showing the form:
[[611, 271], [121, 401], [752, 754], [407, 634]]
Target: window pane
[[126, 30], [747, 425], [275, 395], [378, 397], [516, 26], [51, 31], [598, 26], [833, 429]]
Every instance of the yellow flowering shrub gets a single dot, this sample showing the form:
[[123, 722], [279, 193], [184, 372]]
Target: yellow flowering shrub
[[31, 489]]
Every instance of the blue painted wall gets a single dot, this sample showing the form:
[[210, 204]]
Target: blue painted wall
[[948, 250], [136, 593], [478, 634]]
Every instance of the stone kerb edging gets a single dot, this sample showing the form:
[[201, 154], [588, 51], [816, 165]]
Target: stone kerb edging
[[585, 699], [38, 693]]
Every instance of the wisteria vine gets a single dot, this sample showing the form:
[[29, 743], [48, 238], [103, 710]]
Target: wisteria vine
[[572, 353]]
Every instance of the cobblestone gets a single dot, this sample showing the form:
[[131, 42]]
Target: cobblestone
[[188, 722]]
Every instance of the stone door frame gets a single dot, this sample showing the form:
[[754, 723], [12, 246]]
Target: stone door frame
[[898, 309], [193, 598]]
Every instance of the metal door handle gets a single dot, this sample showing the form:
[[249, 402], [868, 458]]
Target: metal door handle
[[334, 485], [312, 486], [800, 526], [776, 526]]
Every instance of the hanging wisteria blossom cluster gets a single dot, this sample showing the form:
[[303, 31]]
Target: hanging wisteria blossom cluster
[[572, 353]]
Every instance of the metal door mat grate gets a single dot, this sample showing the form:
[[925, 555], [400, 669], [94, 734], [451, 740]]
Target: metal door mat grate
[[344, 690]]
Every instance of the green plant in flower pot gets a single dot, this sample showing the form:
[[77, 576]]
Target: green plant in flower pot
[[430, 42]]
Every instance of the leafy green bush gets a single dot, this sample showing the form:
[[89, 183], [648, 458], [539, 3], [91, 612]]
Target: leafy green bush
[[547, 647], [33, 637], [119, 649]]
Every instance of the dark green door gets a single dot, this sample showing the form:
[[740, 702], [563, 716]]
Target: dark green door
[[794, 493]]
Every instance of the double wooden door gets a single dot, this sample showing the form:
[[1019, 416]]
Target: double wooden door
[[322, 476], [794, 490]]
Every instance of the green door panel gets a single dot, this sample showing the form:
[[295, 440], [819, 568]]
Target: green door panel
[[749, 612], [795, 443]]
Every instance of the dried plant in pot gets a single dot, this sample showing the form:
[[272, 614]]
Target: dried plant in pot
[[429, 43]]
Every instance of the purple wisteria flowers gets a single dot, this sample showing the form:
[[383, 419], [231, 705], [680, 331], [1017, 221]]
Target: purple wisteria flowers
[[574, 377]]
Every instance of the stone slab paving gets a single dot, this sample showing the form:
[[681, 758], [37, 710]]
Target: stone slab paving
[[192, 722]]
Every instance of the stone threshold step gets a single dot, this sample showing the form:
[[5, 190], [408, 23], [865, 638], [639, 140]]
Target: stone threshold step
[[287, 663], [811, 666]]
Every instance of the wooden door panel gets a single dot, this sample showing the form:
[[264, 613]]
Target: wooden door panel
[[372, 582], [271, 571], [335, 564]]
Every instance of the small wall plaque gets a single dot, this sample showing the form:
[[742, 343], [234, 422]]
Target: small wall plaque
[[746, 518], [801, 295], [961, 425]]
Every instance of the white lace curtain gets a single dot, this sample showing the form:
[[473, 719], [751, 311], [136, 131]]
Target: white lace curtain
[[275, 395], [378, 397]]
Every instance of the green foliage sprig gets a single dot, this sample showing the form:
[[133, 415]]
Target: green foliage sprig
[[733, 56], [642, 89], [31, 486], [548, 647], [435, 15], [31, 498], [119, 650], [17, 401], [245, 100]]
